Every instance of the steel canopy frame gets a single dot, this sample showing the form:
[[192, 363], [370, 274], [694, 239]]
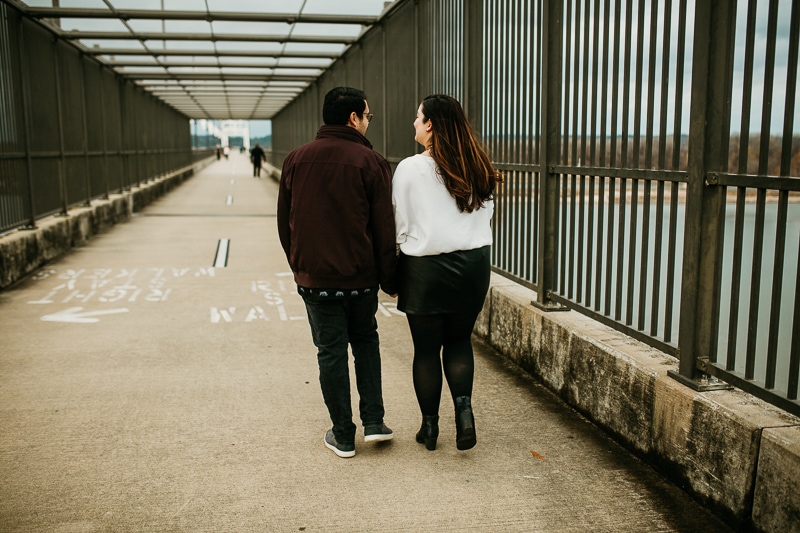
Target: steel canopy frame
[[204, 80]]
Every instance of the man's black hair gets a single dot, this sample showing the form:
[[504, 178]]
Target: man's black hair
[[340, 102]]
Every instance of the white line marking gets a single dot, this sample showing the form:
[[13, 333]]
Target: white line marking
[[221, 259]]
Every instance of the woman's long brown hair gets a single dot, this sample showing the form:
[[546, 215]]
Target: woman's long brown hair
[[463, 163]]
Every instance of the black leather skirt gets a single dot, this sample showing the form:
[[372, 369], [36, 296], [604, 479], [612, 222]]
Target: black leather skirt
[[455, 282]]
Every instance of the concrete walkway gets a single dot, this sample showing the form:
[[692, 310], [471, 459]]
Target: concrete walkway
[[142, 389]]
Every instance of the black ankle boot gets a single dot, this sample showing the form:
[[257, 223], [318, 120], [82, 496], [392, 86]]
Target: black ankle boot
[[465, 423], [429, 431]]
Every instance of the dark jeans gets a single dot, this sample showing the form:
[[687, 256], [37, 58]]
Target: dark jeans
[[339, 317]]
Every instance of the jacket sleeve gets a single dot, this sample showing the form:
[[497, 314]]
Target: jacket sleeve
[[284, 208], [383, 229]]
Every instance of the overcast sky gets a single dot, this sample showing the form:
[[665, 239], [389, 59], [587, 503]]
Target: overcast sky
[[781, 69], [778, 97], [260, 128]]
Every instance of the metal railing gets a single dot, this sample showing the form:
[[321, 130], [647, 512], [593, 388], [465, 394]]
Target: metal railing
[[630, 195], [71, 131]]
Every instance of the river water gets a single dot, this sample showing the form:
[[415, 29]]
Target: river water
[[764, 279]]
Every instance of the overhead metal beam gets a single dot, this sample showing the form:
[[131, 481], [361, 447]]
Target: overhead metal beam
[[234, 94], [252, 38], [230, 77], [206, 53], [215, 84], [165, 64], [150, 62], [265, 90], [268, 95], [209, 16], [217, 90], [272, 86], [234, 98], [220, 53]]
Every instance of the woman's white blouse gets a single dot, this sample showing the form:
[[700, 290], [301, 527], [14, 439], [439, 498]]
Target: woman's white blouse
[[426, 216]]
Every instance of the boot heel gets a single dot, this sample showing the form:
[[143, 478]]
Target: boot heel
[[429, 431], [465, 424]]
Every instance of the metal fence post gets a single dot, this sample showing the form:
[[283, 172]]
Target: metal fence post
[[84, 114], [26, 112], [132, 125], [384, 103], [473, 63], [62, 173], [103, 117], [123, 149], [552, 30], [417, 90], [709, 127]]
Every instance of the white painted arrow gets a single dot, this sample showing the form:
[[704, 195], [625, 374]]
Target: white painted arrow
[[74, 315]]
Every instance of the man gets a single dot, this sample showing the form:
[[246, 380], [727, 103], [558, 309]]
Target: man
[[336, 226], [257, 155]]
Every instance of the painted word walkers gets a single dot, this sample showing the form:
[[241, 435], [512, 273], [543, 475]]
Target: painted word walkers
[[107, 285]]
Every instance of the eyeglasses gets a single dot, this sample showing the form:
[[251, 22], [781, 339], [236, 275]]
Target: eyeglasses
[[369, 117]]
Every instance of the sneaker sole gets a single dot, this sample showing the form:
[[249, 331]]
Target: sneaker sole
[[337, 451], [379, 437]]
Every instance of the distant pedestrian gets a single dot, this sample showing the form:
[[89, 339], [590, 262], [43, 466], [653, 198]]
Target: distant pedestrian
[[226, 151], [257, 156], [219, 152], [336, 227], [443, 202]]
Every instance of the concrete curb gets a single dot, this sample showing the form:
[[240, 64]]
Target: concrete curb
[[22, 252], [736, 454]]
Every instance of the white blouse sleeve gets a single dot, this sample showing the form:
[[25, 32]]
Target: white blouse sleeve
[[401, 184]]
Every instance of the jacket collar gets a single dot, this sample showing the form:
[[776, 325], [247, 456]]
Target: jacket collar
[[342, 132]]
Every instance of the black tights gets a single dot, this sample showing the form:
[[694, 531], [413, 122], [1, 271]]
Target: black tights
[[449, 335]]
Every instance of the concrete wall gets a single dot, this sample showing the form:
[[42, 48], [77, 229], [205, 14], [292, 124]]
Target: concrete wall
[[23, 251], [736, 454]]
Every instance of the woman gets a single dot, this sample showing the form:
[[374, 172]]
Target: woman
[[443, 208]]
